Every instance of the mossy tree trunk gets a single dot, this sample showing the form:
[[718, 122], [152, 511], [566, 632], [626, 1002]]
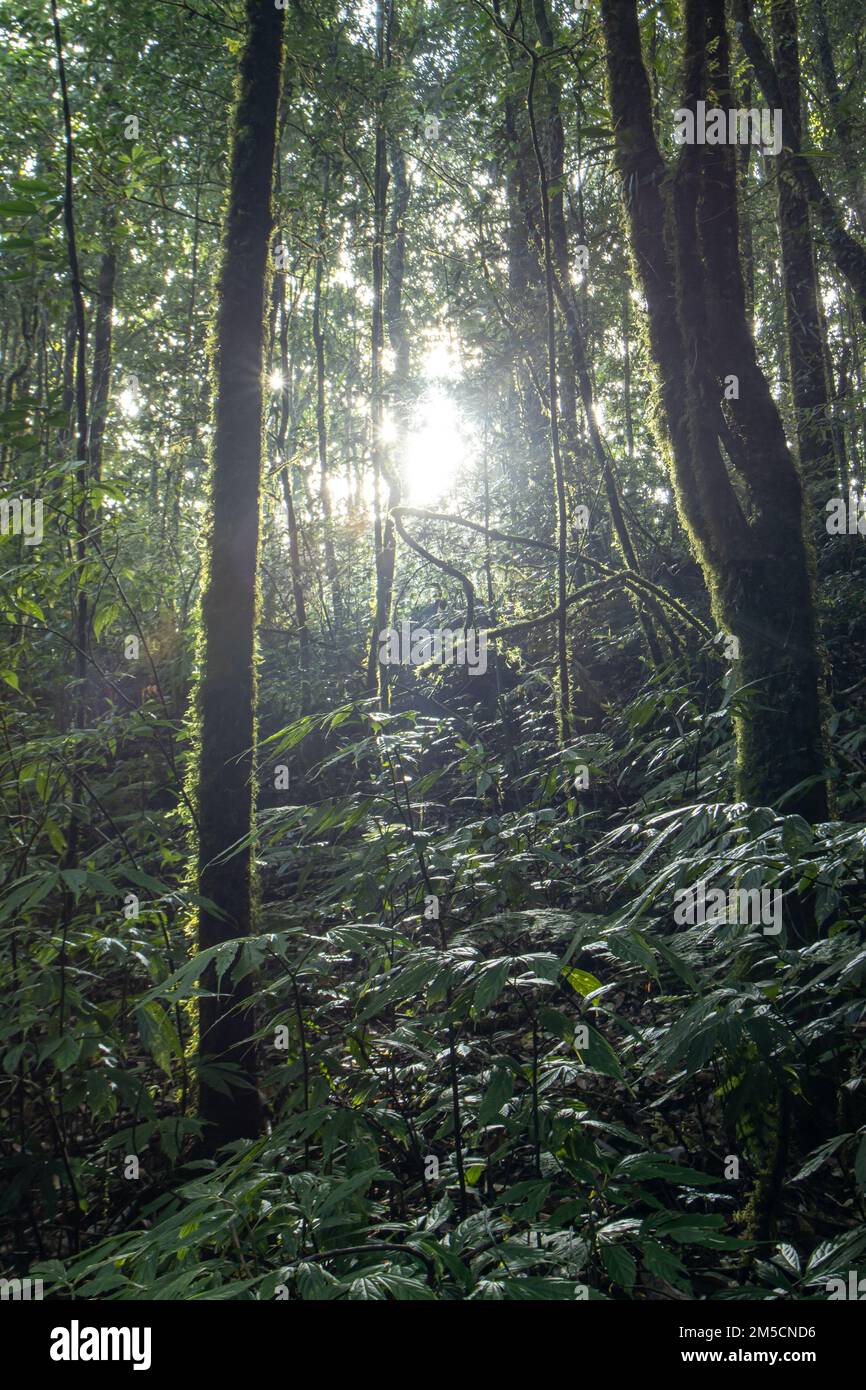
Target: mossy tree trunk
[[525, 278], [387, 305], [227, 689], [737, 487], [102, 356], [285, 451], [331, 569], [394, 307], [805, 338]]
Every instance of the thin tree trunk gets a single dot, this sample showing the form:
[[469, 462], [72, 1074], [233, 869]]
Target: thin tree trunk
[[385, 535], [285, 464], [81, 615], [747, 243], [321, 413], [563, 681], [626, 372], [80, 385], [226, 695], [525, 282], [100, 386], [804, 335], [398, 337]]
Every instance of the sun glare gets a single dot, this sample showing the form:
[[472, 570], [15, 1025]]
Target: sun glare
[[388, 428], [435, 448], [129, 402], [441, 361]]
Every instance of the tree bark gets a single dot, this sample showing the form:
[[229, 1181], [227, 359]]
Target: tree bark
[[285, 456], [563, 681], [398, 337], [100, 385], [331, 569], [385, 535], [750, 540], [805, 341], [227, 690], [525, 282]]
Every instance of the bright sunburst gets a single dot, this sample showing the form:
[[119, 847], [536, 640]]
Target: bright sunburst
[[435, 448]]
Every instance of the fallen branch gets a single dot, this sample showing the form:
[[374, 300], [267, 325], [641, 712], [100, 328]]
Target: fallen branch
[[442, 565], [474, 526], [637, 582]]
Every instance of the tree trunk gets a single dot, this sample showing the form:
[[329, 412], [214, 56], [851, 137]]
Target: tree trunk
[[226, 695], [564, 714], [684, 238], [285, 458], [100, 385], [802, 317], [398, 337], [321, 413], [747, 246], [384, 533], [525, 285]]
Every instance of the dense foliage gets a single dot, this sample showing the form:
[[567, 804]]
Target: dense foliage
[[492, 1062]]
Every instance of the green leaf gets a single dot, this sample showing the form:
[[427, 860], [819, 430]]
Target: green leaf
[[639, 1167], [796, 836], [56, 836], [787, 1256], [819, 1157], [839, 1254], [29, 891], [158, 1034], [491, 983], [67, 1052], [529, 1288], [27, 605], [581, 981], [13, 1057], [598, 1055], [619, 1264], [105, 616], [499, 1091], [664, 1263]]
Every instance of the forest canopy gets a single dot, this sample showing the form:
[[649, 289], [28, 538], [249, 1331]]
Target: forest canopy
[[433, 443]]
